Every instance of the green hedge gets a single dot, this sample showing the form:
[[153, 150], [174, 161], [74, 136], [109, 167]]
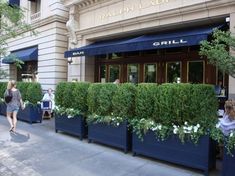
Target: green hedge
[[23, 87], [72, 95], [177, 103], [3, 87], [124, 101], [34, 93], [145, 97], [100, 98]]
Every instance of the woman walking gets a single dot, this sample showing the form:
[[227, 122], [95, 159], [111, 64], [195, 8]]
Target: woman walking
[[14, 104]]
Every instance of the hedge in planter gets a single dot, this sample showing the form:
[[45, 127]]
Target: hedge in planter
[[109, 105], [3, 86], [179, 119], [31, 94], [71, 102], [228, 168]]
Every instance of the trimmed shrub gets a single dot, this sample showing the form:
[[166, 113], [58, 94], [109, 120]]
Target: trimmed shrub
[[100, 98], [124, 100], [59, 94], [34, 93], [3, 87], [23, 88], [145, 100], [80, 96], [68, 95]]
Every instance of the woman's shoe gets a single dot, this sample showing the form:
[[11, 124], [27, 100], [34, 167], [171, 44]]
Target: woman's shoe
[[11, 130]]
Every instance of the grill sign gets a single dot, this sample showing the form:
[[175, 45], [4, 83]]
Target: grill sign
[[170, 42]]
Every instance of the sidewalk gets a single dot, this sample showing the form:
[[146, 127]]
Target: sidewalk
[[36, 150]]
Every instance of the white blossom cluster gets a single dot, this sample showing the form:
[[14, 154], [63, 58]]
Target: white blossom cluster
[[187, 128]]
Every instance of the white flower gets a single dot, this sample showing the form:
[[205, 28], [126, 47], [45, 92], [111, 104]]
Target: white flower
[[217, 125], [117, 124], [151, 122], [159, 127], [198, 125], [175, 131], [195, 129], [186, 123], [69, 116], [154, 129], [231, 134], [190, 128]]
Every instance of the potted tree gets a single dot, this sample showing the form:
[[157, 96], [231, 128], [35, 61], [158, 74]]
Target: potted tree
[[71, 108], [172, 123], [109, 107], [3, 87]]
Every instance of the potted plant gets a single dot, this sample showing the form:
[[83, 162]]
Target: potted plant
[[109, 107], [229, 155], [3, 86], [71, 108], [31, 94], [172, 122]]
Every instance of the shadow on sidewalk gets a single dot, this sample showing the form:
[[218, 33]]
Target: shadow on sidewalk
[[19, 138]]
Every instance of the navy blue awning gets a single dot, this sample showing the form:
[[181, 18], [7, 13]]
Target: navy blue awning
[[144, 42], [27, 54]]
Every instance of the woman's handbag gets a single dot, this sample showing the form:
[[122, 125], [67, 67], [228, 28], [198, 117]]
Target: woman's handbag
[[8, 97]]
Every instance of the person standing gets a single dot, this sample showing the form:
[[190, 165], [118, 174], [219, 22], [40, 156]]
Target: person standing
[[14, 105]]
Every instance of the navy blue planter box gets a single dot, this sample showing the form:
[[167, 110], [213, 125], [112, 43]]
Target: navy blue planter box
[[75, 126], [3, 108], [116, 136], [30, 114], [228, 166], [200, 156]]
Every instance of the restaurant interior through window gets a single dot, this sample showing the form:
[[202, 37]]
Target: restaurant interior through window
[[169, 65], [28, 72]]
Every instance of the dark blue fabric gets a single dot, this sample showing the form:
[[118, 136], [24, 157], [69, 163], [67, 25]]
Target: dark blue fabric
[[28, 54], [144, 42], [14, 2]]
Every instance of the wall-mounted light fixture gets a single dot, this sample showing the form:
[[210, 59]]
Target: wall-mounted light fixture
[[227, 19], [70, 60]]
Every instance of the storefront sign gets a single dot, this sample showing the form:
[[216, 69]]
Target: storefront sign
[[170, 42], [78, 53], [133, 7]]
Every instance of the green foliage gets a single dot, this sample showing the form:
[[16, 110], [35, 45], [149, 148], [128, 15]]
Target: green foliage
[[12, 24], [124, 100], [92, 97], [230, 143], [3, 87], [59, 94], [104, 99], [80, 96], [145, 100], [23, 87], [217, 51], [187, 110], [34, 93], [68, 95]]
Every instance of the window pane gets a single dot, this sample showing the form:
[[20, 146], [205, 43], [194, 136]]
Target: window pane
[[195, 72], [150, 73], [103, 73], [113, 72], [173, 72], [133, 73]]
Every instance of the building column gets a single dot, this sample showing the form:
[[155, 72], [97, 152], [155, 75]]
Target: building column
[[231, 93]]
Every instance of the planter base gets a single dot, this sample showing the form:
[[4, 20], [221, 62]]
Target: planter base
[[200, 156]]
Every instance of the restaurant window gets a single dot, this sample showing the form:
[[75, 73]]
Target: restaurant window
[[114, 72], [28, 72], [132, 53], [133, 73], [150, 71], [173, 72], [103, 73], [196, 71]]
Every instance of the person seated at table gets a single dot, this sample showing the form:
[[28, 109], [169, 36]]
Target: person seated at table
[[49, 96], [227, 123]]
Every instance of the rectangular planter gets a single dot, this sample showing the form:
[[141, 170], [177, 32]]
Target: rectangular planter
[[228, 165], [30, 114], [116, 136], [75, 126], [200, 156], [3, 108]]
